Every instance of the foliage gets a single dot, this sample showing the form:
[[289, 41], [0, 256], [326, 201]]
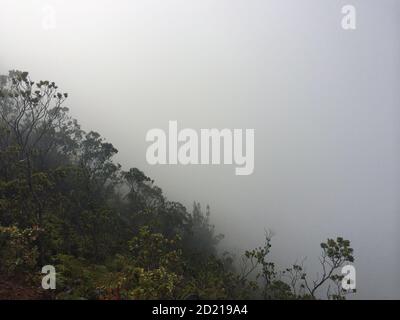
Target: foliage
[[111, 233], [18, 256]]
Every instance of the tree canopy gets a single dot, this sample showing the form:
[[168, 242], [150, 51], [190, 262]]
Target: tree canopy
[[111, 233]]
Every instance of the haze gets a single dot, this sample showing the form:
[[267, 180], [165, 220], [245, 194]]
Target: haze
[[324, 103]]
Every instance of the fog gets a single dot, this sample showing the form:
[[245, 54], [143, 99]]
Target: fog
[[324, 103]]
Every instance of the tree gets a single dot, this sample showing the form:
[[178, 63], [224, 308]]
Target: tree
[[112, 233], [335, 254], [30, 111]]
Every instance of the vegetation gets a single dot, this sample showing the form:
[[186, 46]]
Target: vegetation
[[110, 233]]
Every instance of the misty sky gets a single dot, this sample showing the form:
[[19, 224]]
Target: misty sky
[[324, 103]]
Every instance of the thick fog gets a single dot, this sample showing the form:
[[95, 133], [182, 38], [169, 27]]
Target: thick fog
[[324, 103]]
